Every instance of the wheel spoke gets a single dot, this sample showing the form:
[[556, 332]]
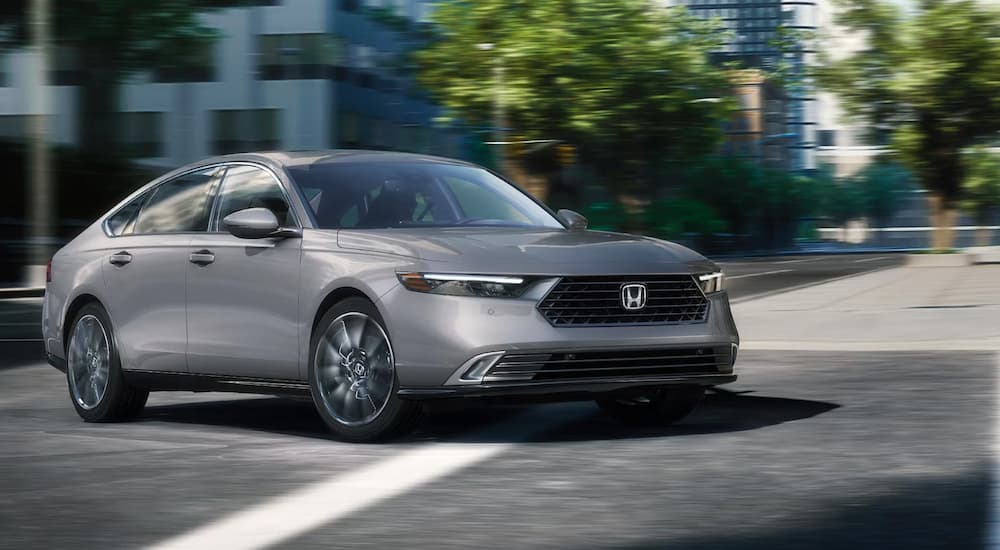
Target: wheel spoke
[[356, 333], [330, 353], [342, 340]]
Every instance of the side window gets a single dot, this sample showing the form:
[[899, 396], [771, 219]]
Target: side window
[[123, 221], [251, 187], [179, 205]]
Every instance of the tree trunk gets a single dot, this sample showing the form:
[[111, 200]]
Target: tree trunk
[[97, 107], [943, 216]]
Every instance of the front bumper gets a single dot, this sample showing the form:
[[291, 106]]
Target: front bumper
[[433, 336]]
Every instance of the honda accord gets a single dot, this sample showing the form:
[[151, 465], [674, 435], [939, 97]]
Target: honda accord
[[373, 282]]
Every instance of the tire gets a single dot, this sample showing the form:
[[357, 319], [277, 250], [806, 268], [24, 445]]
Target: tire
[[660, 407], [90, 351], [354, 387]]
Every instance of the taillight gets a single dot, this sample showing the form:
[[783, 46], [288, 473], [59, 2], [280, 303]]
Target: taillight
[[48, 272]]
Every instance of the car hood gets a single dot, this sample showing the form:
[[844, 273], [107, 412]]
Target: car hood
[[527, 251]]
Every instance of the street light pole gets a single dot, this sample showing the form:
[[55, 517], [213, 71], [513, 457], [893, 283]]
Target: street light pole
[[499, 114], [40, 184]]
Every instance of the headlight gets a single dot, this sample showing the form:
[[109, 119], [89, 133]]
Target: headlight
[[489, 286], [712, 282]]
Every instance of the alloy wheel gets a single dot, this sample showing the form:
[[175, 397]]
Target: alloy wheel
[[355, 369], [89, 362]]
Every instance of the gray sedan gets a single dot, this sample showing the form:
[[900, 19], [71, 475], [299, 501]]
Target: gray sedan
[[374, 282]]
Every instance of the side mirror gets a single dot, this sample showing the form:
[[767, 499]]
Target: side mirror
[[573, 221], [252, 223]]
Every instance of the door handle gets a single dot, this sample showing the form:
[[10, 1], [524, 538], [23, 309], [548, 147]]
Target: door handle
[[202, 257], [120, 259]]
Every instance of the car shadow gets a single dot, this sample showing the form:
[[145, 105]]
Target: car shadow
[[477, 423]]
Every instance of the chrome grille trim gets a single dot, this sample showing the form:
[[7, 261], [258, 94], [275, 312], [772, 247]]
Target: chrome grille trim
[[604, 365]]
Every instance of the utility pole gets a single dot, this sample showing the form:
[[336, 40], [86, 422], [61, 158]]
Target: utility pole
[[39, 193]]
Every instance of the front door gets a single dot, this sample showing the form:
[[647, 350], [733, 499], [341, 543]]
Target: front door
[[242, 294]]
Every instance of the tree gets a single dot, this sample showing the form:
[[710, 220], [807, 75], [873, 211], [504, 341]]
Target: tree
[[626, 81], [882, 186], [929, 77], [840, 199], [112, 39], [981, 192]]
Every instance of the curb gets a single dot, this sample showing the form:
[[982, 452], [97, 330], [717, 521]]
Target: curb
[[21, 292], [808, 285]]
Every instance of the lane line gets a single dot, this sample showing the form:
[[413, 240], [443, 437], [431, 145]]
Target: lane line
[[800, 260], [993, 529], [285, 517], [775, 272], [991, 345], [862, 260]]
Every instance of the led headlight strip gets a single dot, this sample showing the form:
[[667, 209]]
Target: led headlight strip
[[711, 282], [461, 284]]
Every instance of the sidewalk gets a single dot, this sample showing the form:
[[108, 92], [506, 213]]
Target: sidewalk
[[905, 308]]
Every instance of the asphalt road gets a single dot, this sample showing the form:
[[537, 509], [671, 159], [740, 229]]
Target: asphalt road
[[842, 450], [808, 450]]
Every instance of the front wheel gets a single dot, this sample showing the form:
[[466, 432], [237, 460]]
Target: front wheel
[[659, 407], [352, 375]]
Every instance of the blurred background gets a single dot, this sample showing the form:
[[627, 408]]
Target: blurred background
[[840, 160], [733, 126]]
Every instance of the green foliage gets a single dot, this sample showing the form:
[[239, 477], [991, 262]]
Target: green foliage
[[617, 77], [981, 191], [929, 75], [671, 218], [605, 216], [126, 35], [882, 187], [840, 200]]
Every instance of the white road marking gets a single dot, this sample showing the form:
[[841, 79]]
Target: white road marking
[[285, 517], [799, 260], [862, 260], [993, 529], [776, 271], [829, 345]]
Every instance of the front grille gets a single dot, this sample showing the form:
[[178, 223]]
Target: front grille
[[540, 367], [670, 300]]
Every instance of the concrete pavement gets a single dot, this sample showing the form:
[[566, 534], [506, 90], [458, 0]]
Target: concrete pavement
[[905, 308]]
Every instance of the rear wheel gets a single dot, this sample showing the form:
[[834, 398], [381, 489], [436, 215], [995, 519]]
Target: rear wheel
[[352, 375], [97, 386], [659, 407]]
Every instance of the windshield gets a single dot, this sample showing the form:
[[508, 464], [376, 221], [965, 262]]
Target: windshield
[[346, 195]]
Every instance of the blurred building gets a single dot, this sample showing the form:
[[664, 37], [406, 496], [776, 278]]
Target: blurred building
[[759, 131], [291, 74], [763, 35]]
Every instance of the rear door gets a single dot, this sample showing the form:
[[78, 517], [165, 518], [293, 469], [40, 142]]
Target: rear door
[[242, 294], [146, 268]]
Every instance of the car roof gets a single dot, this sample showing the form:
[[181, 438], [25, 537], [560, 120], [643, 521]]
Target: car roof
[[299, 159]]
